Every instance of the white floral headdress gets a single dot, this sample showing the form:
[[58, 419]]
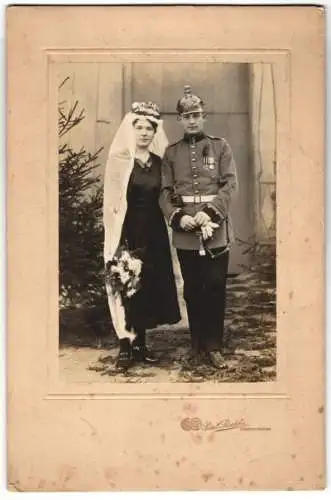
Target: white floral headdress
[[147, 109]]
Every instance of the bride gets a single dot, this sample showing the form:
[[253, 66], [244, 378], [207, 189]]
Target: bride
[[133, 218]]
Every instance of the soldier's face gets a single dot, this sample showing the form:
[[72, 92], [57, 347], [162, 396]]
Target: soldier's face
[[193, 122], [144, 132]]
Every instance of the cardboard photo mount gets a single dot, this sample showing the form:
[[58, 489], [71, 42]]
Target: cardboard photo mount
[[102, 436]]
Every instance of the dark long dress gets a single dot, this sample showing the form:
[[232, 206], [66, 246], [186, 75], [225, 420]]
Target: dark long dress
[[144, 228]]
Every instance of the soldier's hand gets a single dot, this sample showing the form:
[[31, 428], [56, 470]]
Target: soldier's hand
[[208, 230], [187, 223], [201, 218]]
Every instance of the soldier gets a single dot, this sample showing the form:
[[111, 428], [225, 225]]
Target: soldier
[[198, 183]]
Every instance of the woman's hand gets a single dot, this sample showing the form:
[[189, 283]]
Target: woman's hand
[[187, 223]]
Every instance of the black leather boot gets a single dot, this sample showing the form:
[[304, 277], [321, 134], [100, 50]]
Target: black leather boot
[[140, 352], [124, 359]]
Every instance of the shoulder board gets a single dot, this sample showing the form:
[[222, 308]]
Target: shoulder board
[[214, 138]]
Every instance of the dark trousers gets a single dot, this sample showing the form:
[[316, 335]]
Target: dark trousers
[[205, 294]]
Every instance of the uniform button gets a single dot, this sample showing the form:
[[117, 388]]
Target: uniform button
[[196, 191], [195, 183], [195, 176]]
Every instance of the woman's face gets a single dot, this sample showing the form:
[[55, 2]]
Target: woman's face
[[144, 132]]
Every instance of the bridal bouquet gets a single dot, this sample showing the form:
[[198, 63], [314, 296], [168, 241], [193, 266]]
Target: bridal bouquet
[[123, 273]]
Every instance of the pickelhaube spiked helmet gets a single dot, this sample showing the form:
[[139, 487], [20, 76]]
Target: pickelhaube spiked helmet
[[189, 102]]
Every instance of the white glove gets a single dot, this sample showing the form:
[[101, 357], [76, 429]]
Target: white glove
[[207, 230]]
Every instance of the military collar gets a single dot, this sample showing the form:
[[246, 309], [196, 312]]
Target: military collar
[[197, 137]]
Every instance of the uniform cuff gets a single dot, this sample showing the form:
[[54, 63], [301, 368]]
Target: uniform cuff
[[174, 220], [214, 214]]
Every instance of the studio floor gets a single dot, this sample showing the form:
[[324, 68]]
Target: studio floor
[[250, 318]]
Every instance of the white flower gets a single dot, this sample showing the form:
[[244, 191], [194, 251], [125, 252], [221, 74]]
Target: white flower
[[124, 276], [131, 264], [125, 257], [115, 269], [135, 266]]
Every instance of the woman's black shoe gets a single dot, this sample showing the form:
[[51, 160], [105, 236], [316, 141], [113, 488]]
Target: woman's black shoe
[[124, 359], [142, 354]]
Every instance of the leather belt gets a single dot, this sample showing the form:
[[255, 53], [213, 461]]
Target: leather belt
[[198, 198]]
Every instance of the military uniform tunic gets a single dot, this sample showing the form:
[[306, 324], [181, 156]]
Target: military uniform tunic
[[199, 166], [195, 168]]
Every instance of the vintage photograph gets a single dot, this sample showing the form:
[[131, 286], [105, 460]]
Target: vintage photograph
[[167, 221], [165, 241]]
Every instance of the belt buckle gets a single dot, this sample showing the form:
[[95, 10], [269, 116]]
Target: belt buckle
[[197, 198]]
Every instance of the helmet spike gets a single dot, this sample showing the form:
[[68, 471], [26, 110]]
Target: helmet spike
[[189, 101], [187, 90]]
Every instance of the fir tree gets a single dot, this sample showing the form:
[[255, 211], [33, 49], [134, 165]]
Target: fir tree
[[80, 217]]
